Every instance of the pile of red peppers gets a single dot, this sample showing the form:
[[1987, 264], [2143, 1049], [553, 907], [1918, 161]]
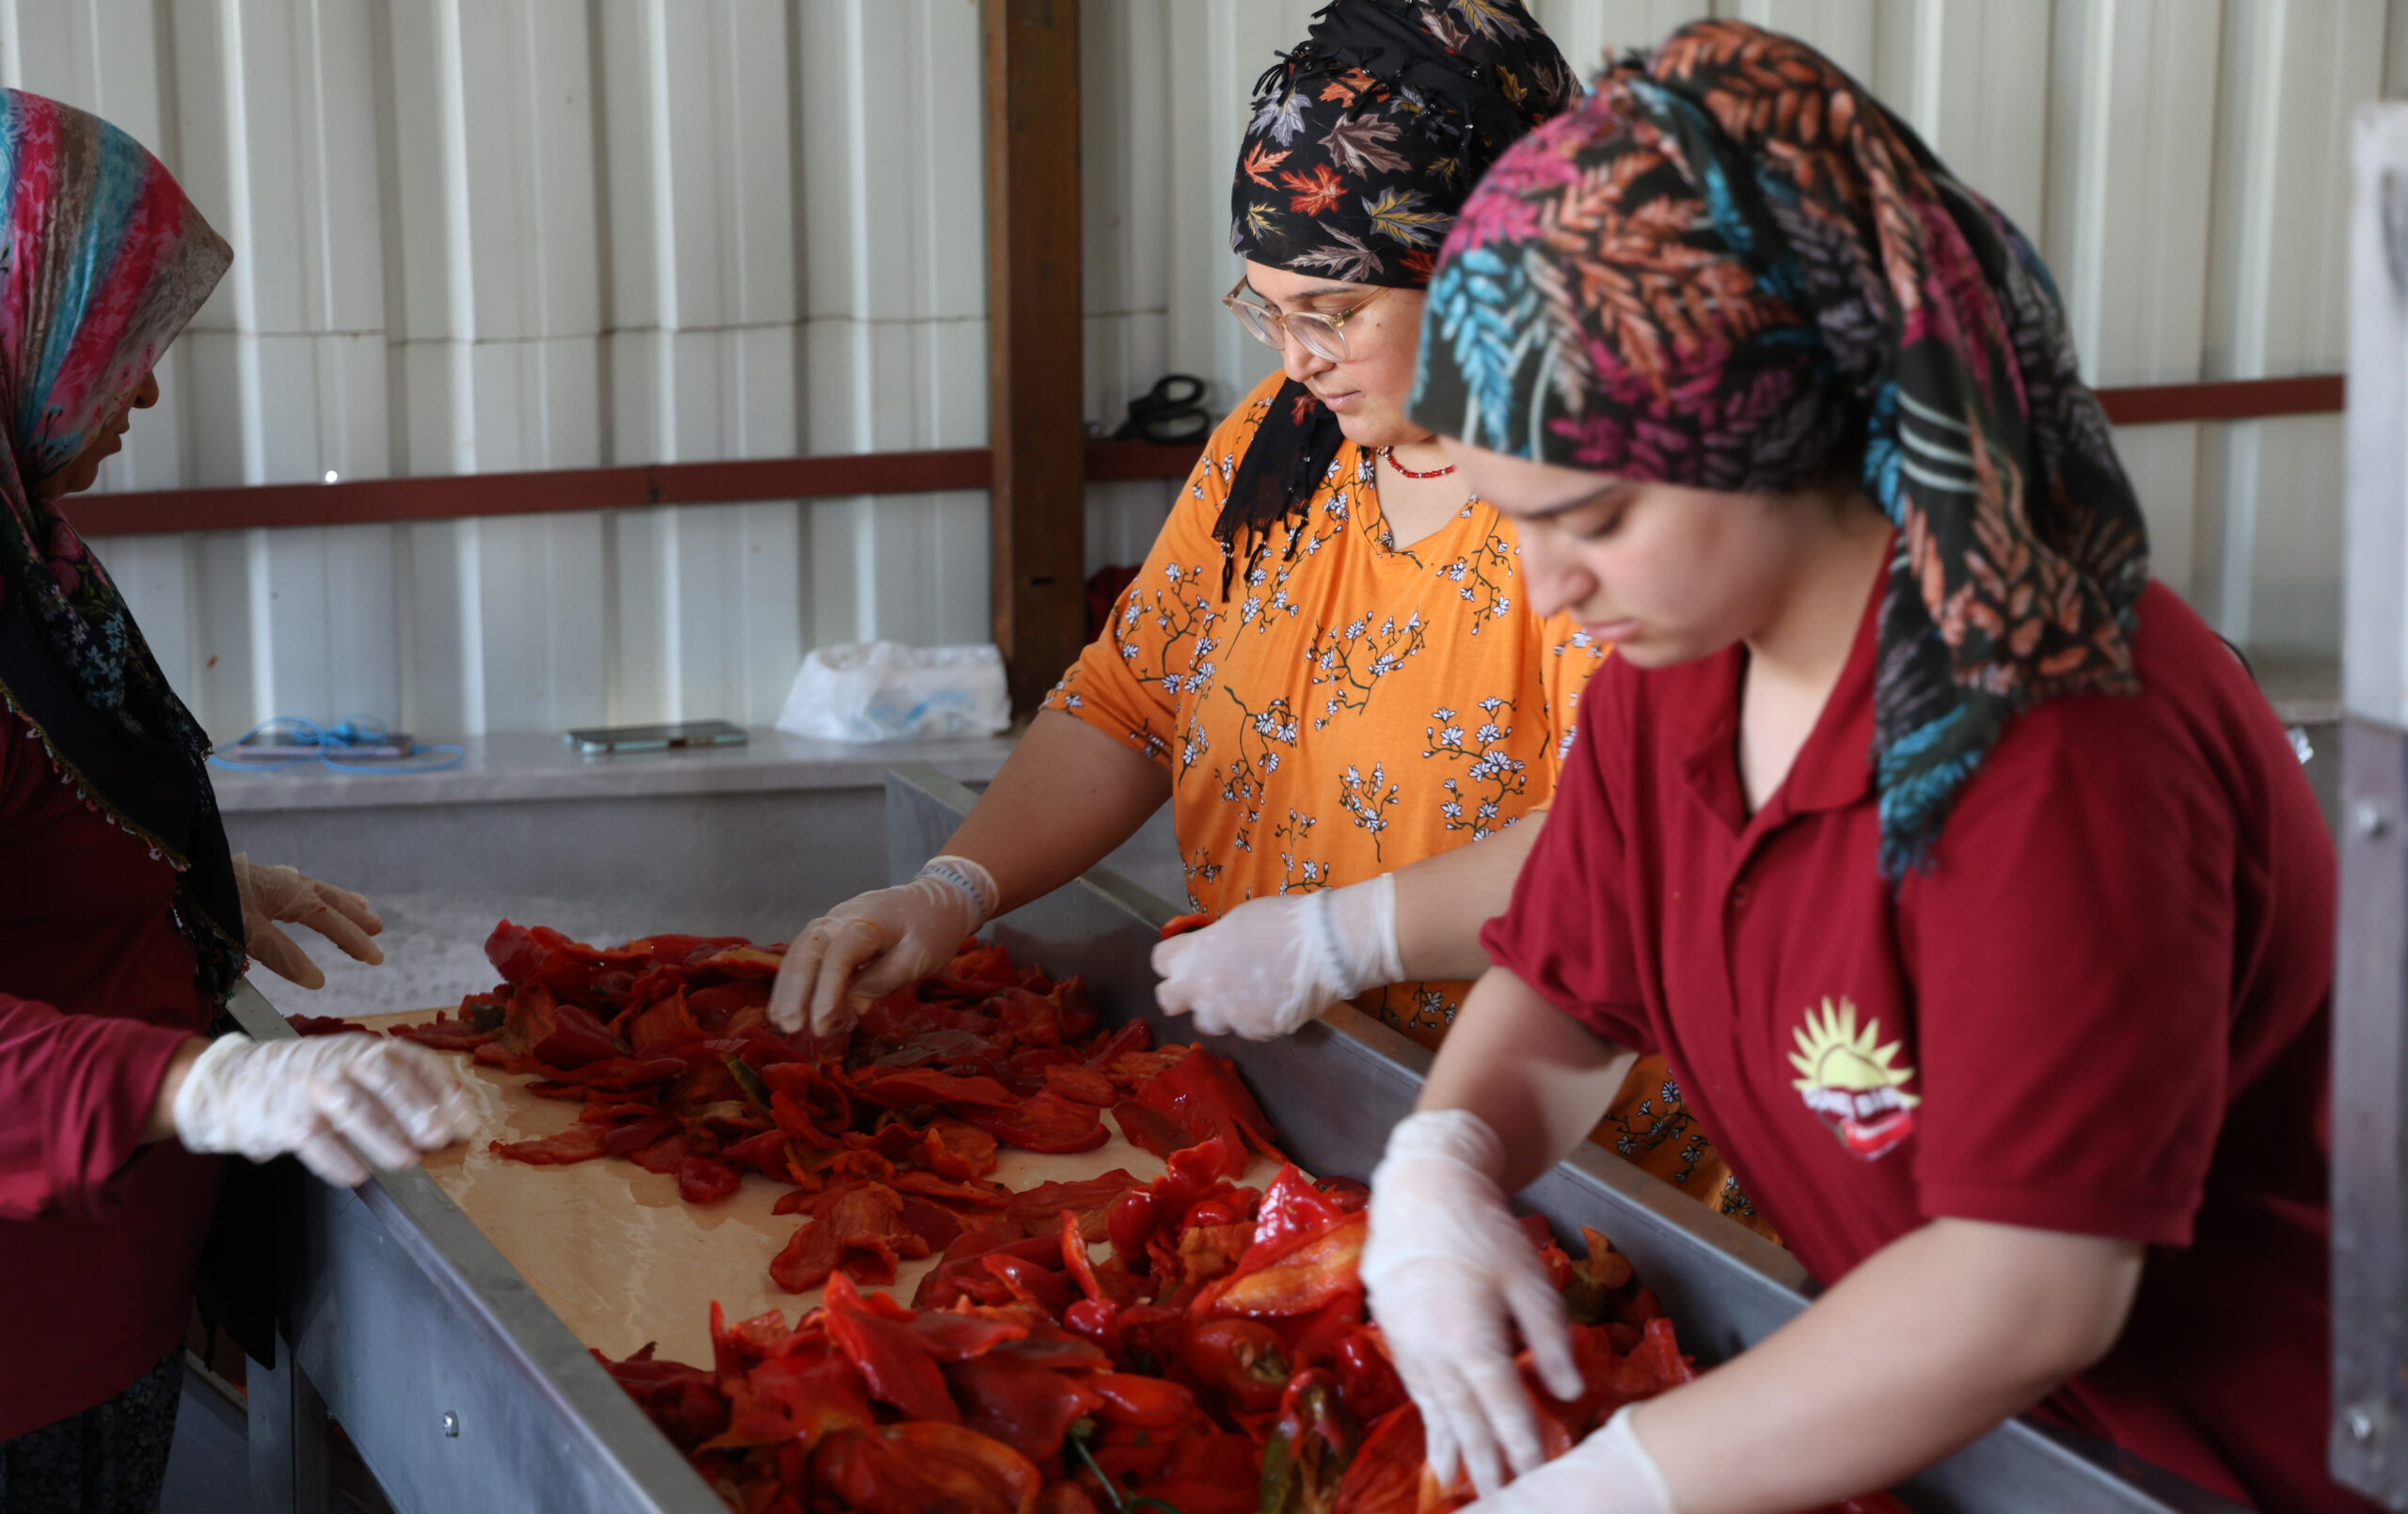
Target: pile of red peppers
[[1214, 1360]]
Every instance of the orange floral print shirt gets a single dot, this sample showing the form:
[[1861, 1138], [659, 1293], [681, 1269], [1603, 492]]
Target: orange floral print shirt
[[1352, 707]]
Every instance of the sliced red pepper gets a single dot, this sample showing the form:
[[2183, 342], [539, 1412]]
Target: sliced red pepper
[[858, 1228], [626, 1138], [1028, 1407], [662, 1155], [907, 1467], [1083, 1085], [578, 1143], [1149, 1130], [1244, 1359], [1307, 1275], [1046, 1122], [1091, 1199], [1031, 1282], [1291, 1207], [1134, 1037], [1182, 924], [953, 1335], [1146, 1403], [701, 1180], [1366, 1380], [818, 1387], [764, 1153], [464, 1033], [894, 1365], [682, 1401], [898, 1088]]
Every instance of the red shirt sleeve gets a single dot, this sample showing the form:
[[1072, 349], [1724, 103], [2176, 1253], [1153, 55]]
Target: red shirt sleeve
[[1567, 933], [2072, 951], [76, 1091]]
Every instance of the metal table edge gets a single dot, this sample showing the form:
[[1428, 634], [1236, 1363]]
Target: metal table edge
[[466, 1268]]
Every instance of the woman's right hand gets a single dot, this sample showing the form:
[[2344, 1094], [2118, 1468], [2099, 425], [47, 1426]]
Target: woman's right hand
[[259, 1099], [1444, 1265], [877, 943]]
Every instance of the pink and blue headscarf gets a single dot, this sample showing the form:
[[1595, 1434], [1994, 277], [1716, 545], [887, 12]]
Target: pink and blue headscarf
[[1731, 268], [103, 262]]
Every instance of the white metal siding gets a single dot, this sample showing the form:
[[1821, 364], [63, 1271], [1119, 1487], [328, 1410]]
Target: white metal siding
[[506, 234]]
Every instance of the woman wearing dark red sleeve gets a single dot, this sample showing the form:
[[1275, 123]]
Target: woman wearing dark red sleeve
[[123, 922], [1961, 873]]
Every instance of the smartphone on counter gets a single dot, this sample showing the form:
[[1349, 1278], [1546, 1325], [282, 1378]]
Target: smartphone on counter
[[601, 739]]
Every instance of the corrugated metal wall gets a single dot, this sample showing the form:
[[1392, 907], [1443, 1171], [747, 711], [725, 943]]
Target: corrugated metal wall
[[504, 234]]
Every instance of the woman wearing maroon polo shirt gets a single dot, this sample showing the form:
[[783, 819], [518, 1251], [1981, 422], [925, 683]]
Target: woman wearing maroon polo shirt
[[1963, 876], [123, 923]]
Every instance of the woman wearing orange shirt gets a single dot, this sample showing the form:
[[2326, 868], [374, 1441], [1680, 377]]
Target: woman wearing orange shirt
[[1326, 663]]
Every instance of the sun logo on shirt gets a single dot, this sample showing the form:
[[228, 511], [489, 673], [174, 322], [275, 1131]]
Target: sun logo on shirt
[[1852, 1081]]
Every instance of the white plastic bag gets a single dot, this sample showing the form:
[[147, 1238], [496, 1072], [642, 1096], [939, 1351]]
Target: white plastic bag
[[886, 691]]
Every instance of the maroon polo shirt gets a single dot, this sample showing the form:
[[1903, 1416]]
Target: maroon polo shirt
[[2103, 1008]]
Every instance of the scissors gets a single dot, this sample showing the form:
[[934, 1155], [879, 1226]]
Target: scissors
[[1170, 413]]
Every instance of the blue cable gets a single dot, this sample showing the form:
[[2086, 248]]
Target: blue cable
[[347, 734]]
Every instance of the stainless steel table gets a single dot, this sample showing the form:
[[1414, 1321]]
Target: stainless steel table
[[464, 1393]]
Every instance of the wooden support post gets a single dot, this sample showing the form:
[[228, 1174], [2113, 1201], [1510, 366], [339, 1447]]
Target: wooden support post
[[1038, 542]]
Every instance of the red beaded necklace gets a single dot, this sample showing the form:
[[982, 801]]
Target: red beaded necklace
[[1388, 453]]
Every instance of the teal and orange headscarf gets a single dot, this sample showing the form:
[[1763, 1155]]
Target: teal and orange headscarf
[[103, 261], [1731, 268]]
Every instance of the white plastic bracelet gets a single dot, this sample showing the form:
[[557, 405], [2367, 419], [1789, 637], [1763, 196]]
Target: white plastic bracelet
[[970, 877]]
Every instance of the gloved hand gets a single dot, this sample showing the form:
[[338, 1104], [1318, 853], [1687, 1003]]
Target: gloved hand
[[1444, 1264], [1274, 963], [877, 943], [272, 893], [265, 1098], [1609, 1472]]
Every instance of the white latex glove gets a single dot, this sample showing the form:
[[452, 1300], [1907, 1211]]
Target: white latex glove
[[1273, 963], [877, 943], [272, 893], [1609, 1472], [1444, 1266], [265, 1098]]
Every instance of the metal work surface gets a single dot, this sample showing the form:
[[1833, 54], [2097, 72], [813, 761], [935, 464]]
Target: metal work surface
[[1333, 1089], [460, 1389], [2370, 1433]]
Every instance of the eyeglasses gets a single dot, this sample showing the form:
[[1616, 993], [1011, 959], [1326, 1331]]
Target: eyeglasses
[[1323, 334]]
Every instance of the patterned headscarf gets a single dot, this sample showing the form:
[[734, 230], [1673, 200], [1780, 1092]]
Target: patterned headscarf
[[103, 261], [1733, 269], [1365, 140]]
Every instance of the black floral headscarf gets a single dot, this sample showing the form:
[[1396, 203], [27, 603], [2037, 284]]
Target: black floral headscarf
[[1733, 269], [1363, 141]]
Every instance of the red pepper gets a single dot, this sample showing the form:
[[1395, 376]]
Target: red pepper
[[1130, 1224], [888, 1356], [1182, 924], [923, 1466], [1098, 1322], [1244, 1359], [1145, 1403], [701, 1180], [1028, 1407], [1367, 1380], [1044, 1122], [1307, 1274], [1031, 1282]]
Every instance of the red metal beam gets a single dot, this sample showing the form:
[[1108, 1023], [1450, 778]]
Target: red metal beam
[[2227, 399], [874, 473], [529, 493]]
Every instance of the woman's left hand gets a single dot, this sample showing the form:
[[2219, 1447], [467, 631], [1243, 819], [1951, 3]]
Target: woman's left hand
[[276, 893], [1272, 964]]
